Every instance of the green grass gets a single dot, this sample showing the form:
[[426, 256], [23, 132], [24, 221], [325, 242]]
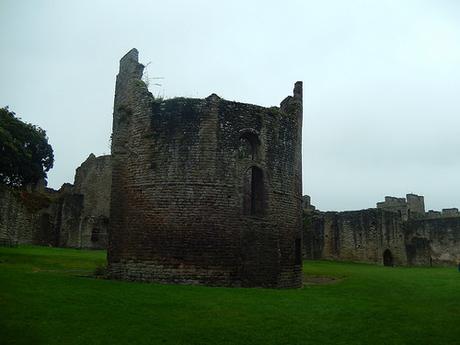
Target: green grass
[[47, 297]]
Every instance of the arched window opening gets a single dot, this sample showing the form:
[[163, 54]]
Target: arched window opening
[[254, 193], [387, 258], [249, 145]]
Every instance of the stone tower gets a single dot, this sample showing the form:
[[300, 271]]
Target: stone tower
[[204, 191]]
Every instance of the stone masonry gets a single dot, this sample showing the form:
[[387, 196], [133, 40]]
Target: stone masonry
[[85, 226], [363, 235], [397, 232], [74, 216], [204, 191], [412, 206]]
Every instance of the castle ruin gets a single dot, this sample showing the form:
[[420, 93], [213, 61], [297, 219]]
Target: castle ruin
[[208, 191], [204, 191]]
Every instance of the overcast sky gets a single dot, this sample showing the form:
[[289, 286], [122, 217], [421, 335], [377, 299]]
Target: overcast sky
[[381, 80]]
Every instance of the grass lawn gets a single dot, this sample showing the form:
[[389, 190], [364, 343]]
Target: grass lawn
[[46, 297]]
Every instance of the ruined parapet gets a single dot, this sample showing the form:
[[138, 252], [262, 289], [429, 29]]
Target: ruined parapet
[[392, 204], [413, 206], [85, 205], [450, 212], [432, 214], [204, 191], [306, 204], [93, 179]]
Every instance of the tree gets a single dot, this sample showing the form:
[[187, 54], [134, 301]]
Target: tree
[[25, 155]]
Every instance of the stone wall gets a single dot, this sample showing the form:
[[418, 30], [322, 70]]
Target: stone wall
[[93, 180], [377, 235], [412, 206], [27, 217], [75, 216], [434, 241], [205, 191], [355, 236]]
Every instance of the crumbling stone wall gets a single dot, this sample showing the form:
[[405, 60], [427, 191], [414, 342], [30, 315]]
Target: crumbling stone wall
[[89, 203], [412, 206], [412, 238], [356, 236], [75, 216], [26, 217], [204, 191], [434, 241]]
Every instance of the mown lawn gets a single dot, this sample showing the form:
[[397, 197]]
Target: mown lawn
[[47, 297]]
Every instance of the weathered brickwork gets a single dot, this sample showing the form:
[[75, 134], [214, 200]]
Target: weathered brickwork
[[398, 232], [204, 191]]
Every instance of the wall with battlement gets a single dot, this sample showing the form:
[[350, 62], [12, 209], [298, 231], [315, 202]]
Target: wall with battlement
[[428, 239], [412, 206]]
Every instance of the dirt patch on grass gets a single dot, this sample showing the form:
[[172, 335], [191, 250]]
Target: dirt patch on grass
[[320, 280]]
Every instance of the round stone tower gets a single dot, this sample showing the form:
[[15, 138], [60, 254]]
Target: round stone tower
[[204, 191]]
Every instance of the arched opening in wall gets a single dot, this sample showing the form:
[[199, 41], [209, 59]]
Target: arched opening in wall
[[387, 258], [254, 192], [249, 146]]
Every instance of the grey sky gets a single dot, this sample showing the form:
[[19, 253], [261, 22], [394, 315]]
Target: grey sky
[[381, 80]]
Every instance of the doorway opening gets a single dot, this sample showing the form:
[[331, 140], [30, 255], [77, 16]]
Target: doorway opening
[[388, 258]]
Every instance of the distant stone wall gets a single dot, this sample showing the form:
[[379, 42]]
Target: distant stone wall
[[75, 216], [14, 219], [93, 180], [378, 235], [438, 238], [26, 217], [355, 236], [412, 206]]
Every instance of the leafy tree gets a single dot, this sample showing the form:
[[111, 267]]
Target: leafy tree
[[25, 155]]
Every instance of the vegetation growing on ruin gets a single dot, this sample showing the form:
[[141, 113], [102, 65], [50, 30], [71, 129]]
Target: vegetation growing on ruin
[[34, 201], [49, 296]]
